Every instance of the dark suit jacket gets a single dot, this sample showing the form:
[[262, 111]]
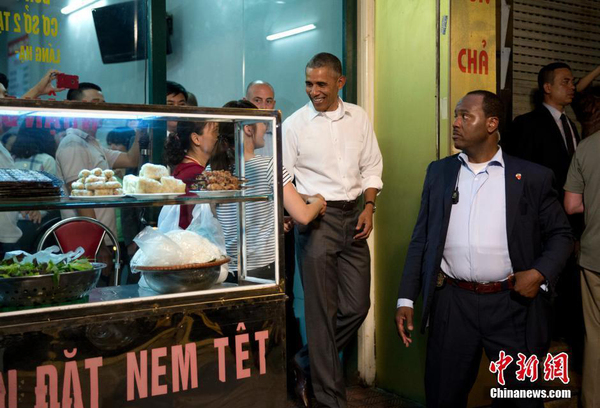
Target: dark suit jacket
[[536, 137], [539, 235]]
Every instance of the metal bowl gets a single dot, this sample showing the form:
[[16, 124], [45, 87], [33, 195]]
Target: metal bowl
[[183, 278], [42, 290]]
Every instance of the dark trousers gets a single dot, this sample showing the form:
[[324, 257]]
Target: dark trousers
[[335, 271], [568, 312], [463, 324]]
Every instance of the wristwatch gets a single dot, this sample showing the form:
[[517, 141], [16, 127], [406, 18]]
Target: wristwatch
[[373, 203]]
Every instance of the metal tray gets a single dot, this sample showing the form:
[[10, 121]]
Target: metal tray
[[42, 290]]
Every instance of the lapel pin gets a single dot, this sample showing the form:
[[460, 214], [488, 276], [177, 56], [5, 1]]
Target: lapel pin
[[518, 176]]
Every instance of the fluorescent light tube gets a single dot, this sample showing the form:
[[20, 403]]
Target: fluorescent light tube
[[291, 32], [76, 5]]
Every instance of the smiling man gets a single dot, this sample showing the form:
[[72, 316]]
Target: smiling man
[[488, 245], [331, 149]]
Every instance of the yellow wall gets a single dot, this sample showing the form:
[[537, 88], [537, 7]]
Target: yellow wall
[[405, 122]]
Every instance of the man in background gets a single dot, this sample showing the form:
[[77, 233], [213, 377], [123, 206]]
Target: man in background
[[548, 137], [81, 150], [582, 195], [262, 94], [176, 96]]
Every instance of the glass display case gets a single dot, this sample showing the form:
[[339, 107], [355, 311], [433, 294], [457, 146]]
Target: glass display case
[[141, 329]]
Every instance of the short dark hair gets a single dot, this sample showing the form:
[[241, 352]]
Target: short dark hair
[[546, 74], [325, 59], [77, 94], [492, 105], [120, 136], [173, 88], [4, 80]]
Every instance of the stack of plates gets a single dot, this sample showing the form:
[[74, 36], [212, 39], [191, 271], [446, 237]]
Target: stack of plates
[[20, 183]]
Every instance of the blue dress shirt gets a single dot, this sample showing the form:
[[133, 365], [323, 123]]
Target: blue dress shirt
[[476, 248]]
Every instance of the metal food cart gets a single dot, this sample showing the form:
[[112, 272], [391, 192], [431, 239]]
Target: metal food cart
[[124, 346]]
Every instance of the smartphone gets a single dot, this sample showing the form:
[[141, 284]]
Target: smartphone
[[67, 81]]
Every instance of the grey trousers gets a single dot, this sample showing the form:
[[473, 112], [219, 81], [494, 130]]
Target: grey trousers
[[335, 271]]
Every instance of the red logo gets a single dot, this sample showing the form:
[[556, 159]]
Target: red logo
[[498, 367]]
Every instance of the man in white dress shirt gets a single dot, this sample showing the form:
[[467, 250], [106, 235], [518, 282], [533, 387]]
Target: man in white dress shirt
[[330, 148]]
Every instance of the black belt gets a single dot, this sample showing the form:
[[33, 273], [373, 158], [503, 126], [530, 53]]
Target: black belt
[[342, 205]]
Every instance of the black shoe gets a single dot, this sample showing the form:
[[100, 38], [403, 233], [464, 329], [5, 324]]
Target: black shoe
[[301, 384]]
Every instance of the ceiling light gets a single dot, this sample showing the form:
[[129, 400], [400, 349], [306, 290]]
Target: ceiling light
[[291, 32], [76, 5]]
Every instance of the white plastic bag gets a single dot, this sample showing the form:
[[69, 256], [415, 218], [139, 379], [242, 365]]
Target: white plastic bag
[[156, 249], [49, 254], [168, 219], [205, 224]]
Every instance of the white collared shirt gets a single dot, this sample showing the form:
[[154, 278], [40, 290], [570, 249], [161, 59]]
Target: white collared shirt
[[556, 114], [78, 151], [334, 154]]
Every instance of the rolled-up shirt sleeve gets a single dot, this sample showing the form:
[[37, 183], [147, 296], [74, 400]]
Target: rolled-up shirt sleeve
[[371, 162], [575, 182]]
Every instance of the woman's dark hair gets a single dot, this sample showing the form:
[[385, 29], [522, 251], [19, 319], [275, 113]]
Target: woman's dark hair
[[32, 141], [223, 157], [178, 144], [120, 136]]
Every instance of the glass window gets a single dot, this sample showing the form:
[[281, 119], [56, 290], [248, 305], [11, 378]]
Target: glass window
[[219, 47], [106, 202], [103, 42]]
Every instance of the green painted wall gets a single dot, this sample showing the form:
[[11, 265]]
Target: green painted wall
[[405, 123]]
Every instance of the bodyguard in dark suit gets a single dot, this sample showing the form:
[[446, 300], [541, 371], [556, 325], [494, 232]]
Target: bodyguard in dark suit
[[546, 135], [489, 243]]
